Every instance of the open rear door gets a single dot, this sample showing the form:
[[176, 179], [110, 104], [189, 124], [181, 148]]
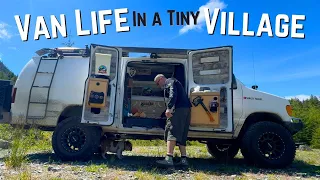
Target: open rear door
[[210, 89], [100, 86]]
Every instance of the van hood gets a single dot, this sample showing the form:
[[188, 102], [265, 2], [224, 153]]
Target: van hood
[[252, 94]]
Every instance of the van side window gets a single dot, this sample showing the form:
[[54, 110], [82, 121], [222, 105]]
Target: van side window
[[211, 67], [104, 63]]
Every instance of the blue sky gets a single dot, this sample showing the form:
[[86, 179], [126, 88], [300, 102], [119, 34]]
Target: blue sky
[[285, 67]]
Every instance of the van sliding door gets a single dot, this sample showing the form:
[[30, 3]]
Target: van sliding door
[[209, 89], [100, 87]]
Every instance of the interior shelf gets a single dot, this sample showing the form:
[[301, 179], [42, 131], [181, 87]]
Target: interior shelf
[[147, 98]]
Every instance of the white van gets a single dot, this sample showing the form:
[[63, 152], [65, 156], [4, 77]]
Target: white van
[[84, 94]]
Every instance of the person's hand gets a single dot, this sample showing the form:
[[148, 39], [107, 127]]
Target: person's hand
[[168, 113]]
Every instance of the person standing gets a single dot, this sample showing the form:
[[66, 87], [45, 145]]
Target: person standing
[[178, 118]]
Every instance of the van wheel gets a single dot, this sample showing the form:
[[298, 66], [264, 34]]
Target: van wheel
[[269, 145], [223, 152], [246, 155], [73, 141]]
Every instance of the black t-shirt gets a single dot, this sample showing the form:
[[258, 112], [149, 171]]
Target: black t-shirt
[[175, 94]]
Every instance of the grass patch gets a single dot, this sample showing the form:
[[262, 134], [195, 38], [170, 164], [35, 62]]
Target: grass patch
[[23, 141], [159, 151], [148, 175], [24, 175], [5, 132], [309, 157], [201, 176], [160, 143], [20, 144], [95, 168]]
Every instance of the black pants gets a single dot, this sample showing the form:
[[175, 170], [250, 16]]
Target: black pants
[[177, 127]]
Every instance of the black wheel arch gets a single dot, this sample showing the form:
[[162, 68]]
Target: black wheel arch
[[258, 117], [70, 111]]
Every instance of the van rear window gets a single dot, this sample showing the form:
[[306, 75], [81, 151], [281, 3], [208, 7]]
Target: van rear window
[[211, 67]]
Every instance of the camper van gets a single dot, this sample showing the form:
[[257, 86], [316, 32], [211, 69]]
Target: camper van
[[84, 94]]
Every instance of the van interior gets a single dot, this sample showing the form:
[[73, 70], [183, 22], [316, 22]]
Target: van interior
[[144, 103]]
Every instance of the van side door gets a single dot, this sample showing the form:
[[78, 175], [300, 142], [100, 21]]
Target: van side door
[[101, 85], [210, 89]]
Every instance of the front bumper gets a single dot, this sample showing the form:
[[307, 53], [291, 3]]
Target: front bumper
[[295, 125]]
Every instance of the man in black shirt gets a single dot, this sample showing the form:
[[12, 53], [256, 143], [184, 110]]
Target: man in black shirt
[[178, 118]]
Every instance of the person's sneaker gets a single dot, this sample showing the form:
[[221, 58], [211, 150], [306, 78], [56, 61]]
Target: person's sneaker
[[183, 162], [168, 162]]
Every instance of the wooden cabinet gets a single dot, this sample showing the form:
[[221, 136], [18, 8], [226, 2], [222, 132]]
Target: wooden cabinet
[[199, 117], [97, 92]]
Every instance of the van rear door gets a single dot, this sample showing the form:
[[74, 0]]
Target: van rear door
[[210, 89], [6, 90], [101, 85]]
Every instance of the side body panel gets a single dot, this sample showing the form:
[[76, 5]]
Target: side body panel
[[66, 89], [254, 101]]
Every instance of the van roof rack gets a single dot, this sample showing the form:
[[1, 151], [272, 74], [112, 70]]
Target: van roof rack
[[64, 51], [71, 51], [154, 50], [85, 52]]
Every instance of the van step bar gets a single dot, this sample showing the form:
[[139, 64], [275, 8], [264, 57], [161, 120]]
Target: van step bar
[[39, 73]]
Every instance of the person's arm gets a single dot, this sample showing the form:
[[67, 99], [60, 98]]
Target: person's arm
[[172, 96]]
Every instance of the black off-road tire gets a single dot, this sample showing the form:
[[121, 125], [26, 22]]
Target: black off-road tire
[[222, 153], [263, 137], [247, 157], [70, 129]]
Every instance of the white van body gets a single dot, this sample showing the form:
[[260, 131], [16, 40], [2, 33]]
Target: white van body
[[66, 89], [67, 92]]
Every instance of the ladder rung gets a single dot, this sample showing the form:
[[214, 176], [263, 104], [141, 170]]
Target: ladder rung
[[49, 59], [45, 72], [42, 86], [38, 103]]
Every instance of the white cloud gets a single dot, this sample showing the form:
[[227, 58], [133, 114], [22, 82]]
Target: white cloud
[[1, 56], [212, 4], [4, 32], [301, 97]]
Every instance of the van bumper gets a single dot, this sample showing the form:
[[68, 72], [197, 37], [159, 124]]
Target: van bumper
[[5, 118], [295, 125]]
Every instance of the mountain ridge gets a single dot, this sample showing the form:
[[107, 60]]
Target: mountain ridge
[[6, 73]]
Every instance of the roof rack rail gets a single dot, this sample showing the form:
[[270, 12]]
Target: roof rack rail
[[54, 52]]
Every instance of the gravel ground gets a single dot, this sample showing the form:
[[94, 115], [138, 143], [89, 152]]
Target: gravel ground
[[137, 165]]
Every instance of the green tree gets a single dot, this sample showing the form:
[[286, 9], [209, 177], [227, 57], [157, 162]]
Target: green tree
[[309, 111]]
